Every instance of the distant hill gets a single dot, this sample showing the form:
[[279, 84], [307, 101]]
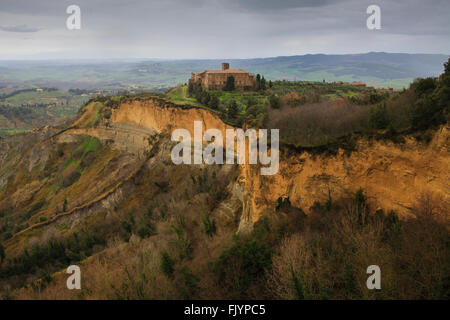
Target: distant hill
[[375, 68], [380, 69]]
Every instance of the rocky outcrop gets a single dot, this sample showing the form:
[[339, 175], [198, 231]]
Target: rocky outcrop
[[125, 137]]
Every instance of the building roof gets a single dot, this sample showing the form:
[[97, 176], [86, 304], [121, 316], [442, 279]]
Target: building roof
[[222, 71], [226, 71]]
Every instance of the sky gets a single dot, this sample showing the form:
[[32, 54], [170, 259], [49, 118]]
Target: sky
[[198, 29]]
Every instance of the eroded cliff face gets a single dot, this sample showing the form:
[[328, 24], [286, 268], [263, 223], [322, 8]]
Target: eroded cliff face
[[392, 175], [149, 114]]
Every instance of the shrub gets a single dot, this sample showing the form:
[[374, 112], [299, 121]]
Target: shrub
[[230, 85], [107, 113], [241, 265], [190, 288], [167, 264], [283, 203], [2, 253], [274, 102], [293, 99], [233, 109], [209, 225], [378, 118], [214, 102], [144, 232]]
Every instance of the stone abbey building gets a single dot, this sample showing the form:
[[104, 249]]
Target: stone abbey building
[[216, 79]]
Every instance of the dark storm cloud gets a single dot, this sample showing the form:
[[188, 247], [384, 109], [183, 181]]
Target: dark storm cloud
[[403, 16], [269, 5], [47, 7], [56, 7], [21, 28], [230, 28]]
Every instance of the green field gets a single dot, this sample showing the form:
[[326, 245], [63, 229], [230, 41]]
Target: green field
[[59, 98], [179, 95], [27, 109]]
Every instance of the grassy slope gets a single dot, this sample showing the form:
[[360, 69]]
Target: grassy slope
[[178, 95]]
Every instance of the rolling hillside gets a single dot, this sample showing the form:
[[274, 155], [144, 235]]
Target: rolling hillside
[[376, 68], [23, 110]]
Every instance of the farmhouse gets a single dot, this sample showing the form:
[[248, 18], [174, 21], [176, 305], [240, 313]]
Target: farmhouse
[[216, 79]]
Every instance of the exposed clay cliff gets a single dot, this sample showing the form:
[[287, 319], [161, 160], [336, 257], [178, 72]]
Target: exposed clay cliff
[[393, 175]]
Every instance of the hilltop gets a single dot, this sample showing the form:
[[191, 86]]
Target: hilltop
[[22, 108]]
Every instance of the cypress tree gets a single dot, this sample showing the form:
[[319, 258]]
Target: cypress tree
[[258, 82], [229, 86]]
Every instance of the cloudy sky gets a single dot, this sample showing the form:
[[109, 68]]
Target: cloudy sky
[[174, 29]]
